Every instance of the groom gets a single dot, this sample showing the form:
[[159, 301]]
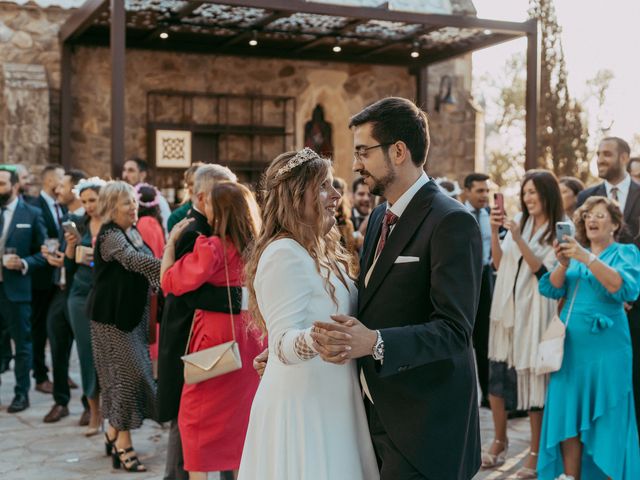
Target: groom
[[418, 295]]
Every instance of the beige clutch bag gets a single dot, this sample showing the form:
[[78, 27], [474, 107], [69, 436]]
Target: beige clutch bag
[[214, 361], [211, 362]]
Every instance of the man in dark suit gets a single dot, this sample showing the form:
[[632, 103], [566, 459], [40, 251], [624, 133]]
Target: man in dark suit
[[613, 157], [476, 190], [418, 296], [178, 315], [43, 280], [21, 229], [59, 329]]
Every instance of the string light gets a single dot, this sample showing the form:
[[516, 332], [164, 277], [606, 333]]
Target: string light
[[164, 35], [337, 48], [415, 51], [254, 39]]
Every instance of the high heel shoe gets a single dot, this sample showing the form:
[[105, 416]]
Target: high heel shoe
[[526, 472], [130, 463], [109, 444], [493, 460], [91, 431]]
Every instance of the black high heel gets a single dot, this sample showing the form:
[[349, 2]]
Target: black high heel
[[109, 444], [130, 464]]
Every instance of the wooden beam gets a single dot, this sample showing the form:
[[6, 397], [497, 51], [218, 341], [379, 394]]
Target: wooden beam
[[422, 88], [376, 13], [82, 19], [248, 31], [172, 18], [532, 99], [335, 33], [117, 46], [66, 103], [402, 41], [449, 53]]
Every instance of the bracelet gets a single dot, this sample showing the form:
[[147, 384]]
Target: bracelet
[[592, 258]]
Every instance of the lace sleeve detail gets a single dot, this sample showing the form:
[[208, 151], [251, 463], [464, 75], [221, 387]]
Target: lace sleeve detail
[[115, 246], [302, 346]]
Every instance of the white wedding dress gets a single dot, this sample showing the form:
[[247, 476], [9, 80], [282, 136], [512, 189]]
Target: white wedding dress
[[307, 419]]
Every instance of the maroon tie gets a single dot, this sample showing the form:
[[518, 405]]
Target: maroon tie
[[390, 218]]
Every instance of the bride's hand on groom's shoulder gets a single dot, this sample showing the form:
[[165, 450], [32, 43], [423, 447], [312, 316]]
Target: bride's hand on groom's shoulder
[[343, 340]]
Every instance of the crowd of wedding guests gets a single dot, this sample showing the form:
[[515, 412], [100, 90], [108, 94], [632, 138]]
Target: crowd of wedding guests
[[106, 265]]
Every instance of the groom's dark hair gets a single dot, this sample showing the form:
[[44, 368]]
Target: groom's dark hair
[[397, 119]]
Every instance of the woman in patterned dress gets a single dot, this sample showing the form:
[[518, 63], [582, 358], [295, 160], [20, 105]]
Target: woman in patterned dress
[[119, 304]]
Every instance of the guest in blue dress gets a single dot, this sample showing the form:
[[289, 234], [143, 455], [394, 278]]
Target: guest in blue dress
[[589, 427]]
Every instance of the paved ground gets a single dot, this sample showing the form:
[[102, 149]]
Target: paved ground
[[33, 450]]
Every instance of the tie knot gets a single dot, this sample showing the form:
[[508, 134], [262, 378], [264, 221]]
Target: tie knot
[[390, 218]]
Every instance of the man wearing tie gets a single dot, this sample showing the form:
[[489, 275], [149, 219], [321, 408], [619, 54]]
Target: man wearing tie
[[21, 234], [613, 158], [43, 284], [418, 295], [476, 190]]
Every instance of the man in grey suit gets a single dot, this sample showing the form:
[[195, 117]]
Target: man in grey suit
[[613, 158]]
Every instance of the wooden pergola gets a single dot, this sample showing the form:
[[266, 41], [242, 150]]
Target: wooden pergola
[[288, 29]]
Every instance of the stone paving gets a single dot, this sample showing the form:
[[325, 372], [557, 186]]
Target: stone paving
[[33, 450]]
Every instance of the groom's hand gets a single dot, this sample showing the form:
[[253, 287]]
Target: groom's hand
[[357, 340]]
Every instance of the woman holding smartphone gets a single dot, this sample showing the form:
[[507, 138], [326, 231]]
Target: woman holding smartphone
[[79, 268], [519, 314], [589, 428]]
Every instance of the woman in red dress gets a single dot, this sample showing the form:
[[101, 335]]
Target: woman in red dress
[[214, 414]]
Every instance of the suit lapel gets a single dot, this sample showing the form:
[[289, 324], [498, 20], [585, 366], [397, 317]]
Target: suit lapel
[[403, 232], [632, 198], [14, 221], [50, 222], [372, 240]]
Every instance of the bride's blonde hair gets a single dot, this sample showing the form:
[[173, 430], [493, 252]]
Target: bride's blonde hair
[[281, 197]]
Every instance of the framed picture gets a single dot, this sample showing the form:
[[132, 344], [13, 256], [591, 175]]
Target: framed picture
[[173, 148]]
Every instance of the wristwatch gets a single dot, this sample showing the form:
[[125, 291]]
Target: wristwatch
[[378, 348]]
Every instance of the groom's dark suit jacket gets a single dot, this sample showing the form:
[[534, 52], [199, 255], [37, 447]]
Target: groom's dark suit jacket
[[425, 390]]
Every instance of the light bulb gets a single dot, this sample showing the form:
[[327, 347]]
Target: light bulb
[[164, 35]]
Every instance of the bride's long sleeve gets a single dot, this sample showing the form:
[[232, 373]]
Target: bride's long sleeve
[[284, 290]]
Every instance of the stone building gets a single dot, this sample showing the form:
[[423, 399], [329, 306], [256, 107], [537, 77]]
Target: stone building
[[167, 90]]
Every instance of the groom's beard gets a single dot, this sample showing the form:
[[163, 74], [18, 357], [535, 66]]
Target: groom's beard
[[380, 184]]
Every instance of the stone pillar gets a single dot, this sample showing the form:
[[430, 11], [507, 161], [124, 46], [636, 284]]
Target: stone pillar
[[24, 114]]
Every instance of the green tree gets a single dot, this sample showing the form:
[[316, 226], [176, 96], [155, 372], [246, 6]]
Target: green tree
[[562, 132]]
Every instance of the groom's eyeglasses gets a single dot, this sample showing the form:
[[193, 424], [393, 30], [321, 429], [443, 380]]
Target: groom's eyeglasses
[[361, 154]]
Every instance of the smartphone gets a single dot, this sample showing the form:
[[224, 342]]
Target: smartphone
[[562, 229], [498, 201], [70, 227]]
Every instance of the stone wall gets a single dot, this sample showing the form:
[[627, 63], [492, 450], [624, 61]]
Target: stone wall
[[342, 90], [29, 37], [457, 131]]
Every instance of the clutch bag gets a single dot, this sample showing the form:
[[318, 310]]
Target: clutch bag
[[211, 362], [551, 346]]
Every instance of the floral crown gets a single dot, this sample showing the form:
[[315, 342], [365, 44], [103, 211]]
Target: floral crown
[[303, 156], [156, 198], [93, 182]]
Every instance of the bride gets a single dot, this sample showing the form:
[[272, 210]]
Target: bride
[[307, 418]]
